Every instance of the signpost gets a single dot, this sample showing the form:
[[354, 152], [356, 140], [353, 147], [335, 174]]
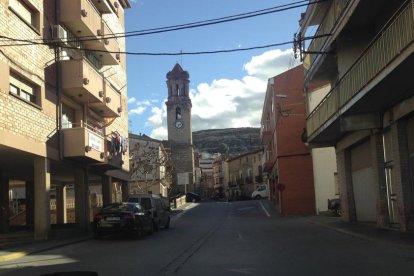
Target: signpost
[[183, 179]]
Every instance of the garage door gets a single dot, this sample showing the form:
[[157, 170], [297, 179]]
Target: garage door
[[363, 184]]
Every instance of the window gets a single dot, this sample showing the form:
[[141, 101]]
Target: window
[[178, 113], [26, 12], [68, 116], [23, 89]]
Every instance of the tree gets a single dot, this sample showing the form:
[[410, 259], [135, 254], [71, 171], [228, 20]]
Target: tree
[[150, 164], [224, 149]]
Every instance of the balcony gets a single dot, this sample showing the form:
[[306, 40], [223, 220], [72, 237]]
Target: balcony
[[320, 44], [107, 47], [102, 6], [111, 104], [81, 81], [81, 17], [84, 144], [366, 86], [265, 134], [84, 84]]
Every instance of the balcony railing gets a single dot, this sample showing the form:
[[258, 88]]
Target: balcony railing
[[81, 17], [326, 27], [102, 5], [81, 81], [111, 104], [265, 133], [107, 47], [386, 46], [81, 142]]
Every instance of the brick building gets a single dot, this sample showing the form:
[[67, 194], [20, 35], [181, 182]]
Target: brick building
[[63, 106], [286, 160], [365, 51]]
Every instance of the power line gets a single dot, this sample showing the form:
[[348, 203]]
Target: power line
[[163, 54], [197, 24]]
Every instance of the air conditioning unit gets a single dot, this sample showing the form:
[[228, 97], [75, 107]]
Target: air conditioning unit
[[60, 35]]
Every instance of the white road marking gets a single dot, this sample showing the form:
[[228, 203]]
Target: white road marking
[[264, 209]]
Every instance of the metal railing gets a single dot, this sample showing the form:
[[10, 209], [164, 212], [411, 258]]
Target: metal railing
[[326, 27], [386, 46]]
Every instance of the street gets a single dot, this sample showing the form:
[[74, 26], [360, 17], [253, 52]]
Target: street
[[226, 238]]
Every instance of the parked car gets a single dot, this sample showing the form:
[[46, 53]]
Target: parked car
[[260, 192], [129, 218], [192, 197], [158, 208]]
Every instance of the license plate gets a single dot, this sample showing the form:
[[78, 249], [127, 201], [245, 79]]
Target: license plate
[[113, 219]]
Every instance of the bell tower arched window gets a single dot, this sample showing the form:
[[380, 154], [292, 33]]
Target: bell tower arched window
[[178, 113]]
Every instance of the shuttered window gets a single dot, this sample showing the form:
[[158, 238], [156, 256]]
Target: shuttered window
[[23, 89], [25, 12]]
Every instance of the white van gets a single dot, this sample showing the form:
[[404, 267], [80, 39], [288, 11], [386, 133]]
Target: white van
[[260, 192]]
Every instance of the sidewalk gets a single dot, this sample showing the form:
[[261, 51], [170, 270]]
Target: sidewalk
[[367, 231], [21, 243]]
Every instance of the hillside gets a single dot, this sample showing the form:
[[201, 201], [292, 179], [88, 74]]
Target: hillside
[[238, 140]]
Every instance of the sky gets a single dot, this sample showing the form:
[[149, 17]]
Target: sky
[[227, 89]]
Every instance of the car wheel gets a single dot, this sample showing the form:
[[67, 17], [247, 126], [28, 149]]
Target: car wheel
[[258, 197], [167, 225]]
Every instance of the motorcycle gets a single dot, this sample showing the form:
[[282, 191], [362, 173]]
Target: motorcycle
[[334, 205]]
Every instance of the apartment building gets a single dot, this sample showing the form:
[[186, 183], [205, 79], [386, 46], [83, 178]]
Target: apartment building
[[287, 161], [218, 174], [364, 50], [151, 165], [244, 173], [63, 106]]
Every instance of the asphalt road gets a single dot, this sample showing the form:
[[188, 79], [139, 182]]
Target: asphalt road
[[219, 238]]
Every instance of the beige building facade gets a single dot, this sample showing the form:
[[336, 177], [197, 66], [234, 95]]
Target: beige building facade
[[244, 173], [365, 50], [63, 106]]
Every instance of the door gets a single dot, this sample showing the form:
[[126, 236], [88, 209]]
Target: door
[[365, 195]]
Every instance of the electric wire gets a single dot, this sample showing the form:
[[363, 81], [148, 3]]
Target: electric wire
[[159, 54], [197, 24]]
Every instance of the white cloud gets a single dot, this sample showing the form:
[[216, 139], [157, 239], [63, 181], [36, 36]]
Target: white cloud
[[140, 106], [270, 63], [227, 103], [160, 133], [138, 110], [156, 118]]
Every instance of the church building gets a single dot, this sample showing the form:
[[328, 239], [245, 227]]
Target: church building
[[179, 129]]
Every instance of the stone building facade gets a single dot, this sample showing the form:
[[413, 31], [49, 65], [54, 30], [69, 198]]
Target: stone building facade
[[179, 128]]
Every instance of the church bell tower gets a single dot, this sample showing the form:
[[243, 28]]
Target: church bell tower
[[179, 127]]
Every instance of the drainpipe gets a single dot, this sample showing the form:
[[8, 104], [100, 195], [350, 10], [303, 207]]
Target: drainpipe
[[58, 86]]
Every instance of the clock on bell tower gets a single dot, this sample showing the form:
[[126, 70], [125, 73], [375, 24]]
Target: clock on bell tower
[[179, 125]]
